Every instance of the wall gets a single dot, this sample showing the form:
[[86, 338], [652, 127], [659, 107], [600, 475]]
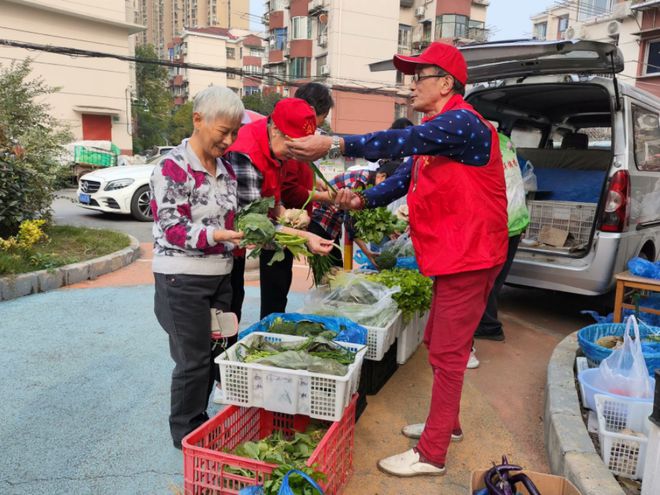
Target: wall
[[208, 50], [100, 83], [356, 113]]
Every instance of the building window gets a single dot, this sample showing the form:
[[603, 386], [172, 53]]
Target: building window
[[477, 31], [251, 69], [652, 65], [405, 37], [646, 133], [587, 9], [256, 52], [231, 53], [298, 68], [322, 66], [400, 111], [427, 31], [451, 26], [300, 28], [231, 75], [280, 38], [276, 5], [251, 90], [540, 30], [562, 25]]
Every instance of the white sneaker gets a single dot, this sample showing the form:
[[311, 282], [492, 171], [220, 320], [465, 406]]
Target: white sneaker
[[408, 464], [219, 395], [473, 362], [415, 431]]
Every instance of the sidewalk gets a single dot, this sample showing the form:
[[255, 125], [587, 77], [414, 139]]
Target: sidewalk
[[86, 396]]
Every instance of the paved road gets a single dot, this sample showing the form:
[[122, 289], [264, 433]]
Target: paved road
[[68, 213]]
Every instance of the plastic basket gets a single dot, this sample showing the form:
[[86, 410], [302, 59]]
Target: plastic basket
[[380, 339], [576, 218], [206, 463], [288, 391], [375, 374], [595, 353], [410, 337], [590, 382], [92, 156], [623, 433]]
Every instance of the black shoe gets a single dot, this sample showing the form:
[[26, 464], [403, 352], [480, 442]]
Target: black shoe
[[486, 335]]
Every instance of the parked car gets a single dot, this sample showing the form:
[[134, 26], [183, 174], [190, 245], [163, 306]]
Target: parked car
[[123, 190], [594, 143]]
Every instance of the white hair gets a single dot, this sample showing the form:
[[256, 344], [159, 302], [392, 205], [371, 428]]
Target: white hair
[[217, 102]]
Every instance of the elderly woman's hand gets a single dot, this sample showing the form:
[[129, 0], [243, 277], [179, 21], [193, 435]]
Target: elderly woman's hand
[[228, 236], [309, 148], [318, 245]]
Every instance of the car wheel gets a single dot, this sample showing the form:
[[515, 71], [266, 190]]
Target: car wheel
[[141, 205]]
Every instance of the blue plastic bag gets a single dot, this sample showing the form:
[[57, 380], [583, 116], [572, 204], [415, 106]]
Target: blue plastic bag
[[362, 262], [644, 268], [407, 263], [252, 490], [285, 489], [346, 330]]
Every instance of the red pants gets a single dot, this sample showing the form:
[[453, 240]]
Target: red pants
[[458, 303]]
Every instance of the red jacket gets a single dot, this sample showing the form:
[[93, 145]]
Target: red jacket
[[458, 217], [297, 181], [253, 141]]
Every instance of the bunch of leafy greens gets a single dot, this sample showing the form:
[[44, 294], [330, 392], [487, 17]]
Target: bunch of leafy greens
[[301, 328], [316, 354], [260, 232], [287, 453], [416, 290], [374, 224]]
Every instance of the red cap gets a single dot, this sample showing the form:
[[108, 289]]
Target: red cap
[[294, 117], [447, 57]]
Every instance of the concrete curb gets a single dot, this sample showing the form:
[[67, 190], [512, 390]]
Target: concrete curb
[[12, 287], [571, 452]]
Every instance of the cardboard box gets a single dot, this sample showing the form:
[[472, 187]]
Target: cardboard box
[[547, 484]]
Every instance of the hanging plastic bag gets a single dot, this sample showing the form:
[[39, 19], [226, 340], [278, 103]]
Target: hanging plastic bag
[[529, 177], [624, 371], [286, 489]]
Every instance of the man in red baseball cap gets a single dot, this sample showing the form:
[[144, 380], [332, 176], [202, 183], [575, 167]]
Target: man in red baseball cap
[[257, 156], [458, 223]]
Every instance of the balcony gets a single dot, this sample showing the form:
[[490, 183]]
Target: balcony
[[317, 6], [478, 34], [406, 4], [323, 40]]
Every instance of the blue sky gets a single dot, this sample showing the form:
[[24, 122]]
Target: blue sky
[[509, 19]]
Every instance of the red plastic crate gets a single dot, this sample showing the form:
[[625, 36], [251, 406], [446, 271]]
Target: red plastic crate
[[205, 462]]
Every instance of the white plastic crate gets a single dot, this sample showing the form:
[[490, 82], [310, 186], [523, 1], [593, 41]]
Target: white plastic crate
[[288, 391], [380, 339], [410, 337], [623, 433], [576, 218]]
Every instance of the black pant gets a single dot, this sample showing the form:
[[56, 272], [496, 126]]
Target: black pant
[[335, 254], [275, 282], [489, 323], [238, 286], [182, 305]]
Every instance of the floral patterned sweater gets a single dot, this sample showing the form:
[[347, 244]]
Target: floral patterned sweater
[[189, 205]]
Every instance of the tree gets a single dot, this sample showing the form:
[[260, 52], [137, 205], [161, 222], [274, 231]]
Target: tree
[[152, 107], [181, 124], [31, 148], [261, 103]]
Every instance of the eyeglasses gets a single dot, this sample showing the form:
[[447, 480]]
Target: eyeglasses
[[418, 77]]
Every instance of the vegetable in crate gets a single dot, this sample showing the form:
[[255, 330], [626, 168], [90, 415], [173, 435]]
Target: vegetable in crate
[[374, 224], [301, 328], [416, 290], [287, 453]]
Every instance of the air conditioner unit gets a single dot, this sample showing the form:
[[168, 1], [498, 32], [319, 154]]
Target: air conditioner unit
[[420, 12], [613, 28], [574, 32], [325, 70]]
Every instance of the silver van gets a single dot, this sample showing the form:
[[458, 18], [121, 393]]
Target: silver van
[[594, 144]]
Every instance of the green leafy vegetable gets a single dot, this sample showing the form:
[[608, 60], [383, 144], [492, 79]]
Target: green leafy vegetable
[[374, 224], [416, 290]]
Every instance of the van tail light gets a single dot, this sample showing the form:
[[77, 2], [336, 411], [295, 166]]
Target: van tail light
[[617, 201]]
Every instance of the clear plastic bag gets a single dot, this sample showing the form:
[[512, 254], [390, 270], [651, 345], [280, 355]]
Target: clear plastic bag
[[624, 371], [529, 177]]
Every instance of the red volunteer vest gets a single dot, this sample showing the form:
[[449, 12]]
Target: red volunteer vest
[[458, 217], [253, 141]]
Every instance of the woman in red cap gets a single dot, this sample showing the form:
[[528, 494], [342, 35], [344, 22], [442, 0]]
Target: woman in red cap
[[458, 220]]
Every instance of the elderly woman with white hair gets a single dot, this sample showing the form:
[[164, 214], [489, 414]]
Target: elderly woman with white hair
[[194, 204]]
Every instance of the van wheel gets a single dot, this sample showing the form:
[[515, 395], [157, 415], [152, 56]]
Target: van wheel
[[140, 205]]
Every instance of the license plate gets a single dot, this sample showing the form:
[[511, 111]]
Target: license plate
[[85, 198]]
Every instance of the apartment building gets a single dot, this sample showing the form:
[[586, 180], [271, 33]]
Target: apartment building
[[94, 98], [240, 50], [633, 25], [334, 41], [166, 19]]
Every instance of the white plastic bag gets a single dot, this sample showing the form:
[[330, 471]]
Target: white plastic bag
[[624, 371], [529, 177]]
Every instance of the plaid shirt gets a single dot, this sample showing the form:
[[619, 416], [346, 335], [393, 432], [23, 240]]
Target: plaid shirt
[[329, 217], [248, 176]]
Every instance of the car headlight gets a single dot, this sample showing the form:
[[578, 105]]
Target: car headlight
[[118, 184]]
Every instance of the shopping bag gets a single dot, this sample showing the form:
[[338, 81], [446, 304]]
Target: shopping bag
[[624, 371], [285, 489], [252, 490]]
